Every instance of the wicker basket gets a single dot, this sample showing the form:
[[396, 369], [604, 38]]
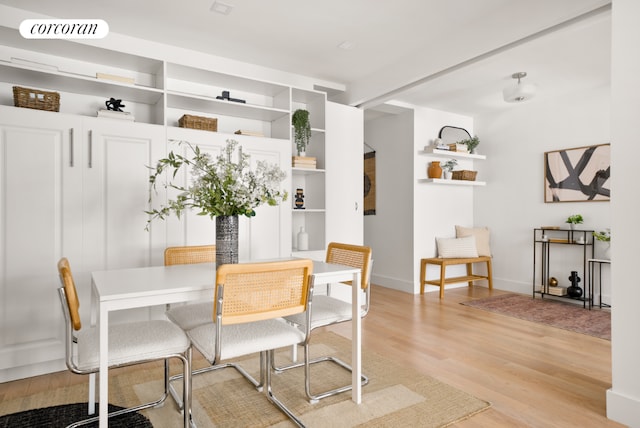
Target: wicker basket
[[36, 99], [464, 175], [198, 122]]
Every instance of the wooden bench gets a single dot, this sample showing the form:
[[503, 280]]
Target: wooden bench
[[444, 262]]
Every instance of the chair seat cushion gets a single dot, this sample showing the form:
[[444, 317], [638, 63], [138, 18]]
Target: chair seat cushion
[[132, 342], [192, 315], [243, 339], [325, 310]]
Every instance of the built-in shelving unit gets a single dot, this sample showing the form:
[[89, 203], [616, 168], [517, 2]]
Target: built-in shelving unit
[[312, 181]]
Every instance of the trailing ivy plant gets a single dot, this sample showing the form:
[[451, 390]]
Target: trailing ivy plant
[[301, 129]]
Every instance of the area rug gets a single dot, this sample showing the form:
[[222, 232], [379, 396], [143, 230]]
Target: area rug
[[554, 313], [66, 414], [396, 396]]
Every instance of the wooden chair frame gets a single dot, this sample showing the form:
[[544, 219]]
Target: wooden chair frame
[[70, 309], [248, 294], [345, 254]]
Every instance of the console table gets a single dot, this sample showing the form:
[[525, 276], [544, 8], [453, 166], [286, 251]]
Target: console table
[[592, 266], [546, 238]]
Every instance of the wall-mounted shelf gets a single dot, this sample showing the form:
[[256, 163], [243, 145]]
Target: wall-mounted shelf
[[307, 171], [451, 182], [446, 153]]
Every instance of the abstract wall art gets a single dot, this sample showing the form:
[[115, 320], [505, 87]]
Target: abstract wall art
[[579, 174]]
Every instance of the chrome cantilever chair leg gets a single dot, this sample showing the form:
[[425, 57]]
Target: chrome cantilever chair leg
[[176, 397], [265, 369]]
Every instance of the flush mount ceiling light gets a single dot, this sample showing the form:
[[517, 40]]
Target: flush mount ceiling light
[[221, 8], [520, 91]]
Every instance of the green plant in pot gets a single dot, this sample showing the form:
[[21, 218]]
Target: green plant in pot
[[471, 143], [574, 220], [448, 166], [301, 130]]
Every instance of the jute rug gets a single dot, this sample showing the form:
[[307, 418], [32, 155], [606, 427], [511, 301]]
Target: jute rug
[[554, 313], [395, 396]]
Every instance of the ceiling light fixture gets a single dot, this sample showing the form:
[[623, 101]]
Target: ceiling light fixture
[[221, 8], [520, 91]]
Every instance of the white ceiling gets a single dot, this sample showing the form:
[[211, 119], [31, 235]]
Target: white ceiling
[[396, 44]]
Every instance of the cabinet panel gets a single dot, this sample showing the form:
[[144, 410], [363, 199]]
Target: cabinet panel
[[39, 194], [116, 194], [264, 236], [345, 171]]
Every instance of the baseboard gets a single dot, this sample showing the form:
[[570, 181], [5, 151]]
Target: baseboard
[[623, 409], [22, 372], [393, 283]]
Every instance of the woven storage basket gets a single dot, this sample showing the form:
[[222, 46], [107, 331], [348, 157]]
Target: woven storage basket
[[464, 175], [198, 122], [36, 99]]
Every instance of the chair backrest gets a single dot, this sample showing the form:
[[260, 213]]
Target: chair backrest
[[358, 256], [73, 303], [247, 292], [189, 255]]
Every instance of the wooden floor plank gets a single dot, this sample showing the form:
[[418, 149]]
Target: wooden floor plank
[[534, 376]]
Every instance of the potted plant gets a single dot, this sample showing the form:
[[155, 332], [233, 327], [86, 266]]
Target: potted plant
[[605, 237], [471, 143], [448, 166], [573, 220], [301, 130]]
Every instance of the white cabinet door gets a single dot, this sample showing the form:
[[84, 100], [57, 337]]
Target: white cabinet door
[[265, 236], [344, 169], [40, 221], [116, 194]]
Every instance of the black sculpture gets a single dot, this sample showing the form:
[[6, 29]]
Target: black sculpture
[[225, 96], [299, 199], [574, 291], [114, 105]]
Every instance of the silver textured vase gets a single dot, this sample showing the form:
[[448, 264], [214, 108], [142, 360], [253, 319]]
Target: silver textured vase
[[226, 240]]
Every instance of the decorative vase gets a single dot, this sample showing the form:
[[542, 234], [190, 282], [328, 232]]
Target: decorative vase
[[303, 240], [434, 170], [447, 175], [226, 240], [574, 290], [607, 252]]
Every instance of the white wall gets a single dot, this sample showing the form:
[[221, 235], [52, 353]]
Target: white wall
[[623, 399], [438, 208], [389, 232], [512, 203], [410, 215]]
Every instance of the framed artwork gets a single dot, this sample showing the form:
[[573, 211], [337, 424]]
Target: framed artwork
[[580, 174], [370, 183]]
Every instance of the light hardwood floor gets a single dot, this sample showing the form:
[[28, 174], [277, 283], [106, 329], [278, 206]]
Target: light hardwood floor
[[534, 376]]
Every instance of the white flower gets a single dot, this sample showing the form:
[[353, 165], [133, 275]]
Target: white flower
[[220, 187]]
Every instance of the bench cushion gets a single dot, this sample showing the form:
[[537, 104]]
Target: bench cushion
[[482, 238], [457, 247]]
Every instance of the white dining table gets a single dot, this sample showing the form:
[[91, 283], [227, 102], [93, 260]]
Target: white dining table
[[118, 289]]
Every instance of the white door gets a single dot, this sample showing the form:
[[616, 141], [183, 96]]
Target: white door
[[40, 221], [344, 170]]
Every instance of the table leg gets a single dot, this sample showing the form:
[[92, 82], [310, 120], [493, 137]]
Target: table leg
[[356, 339], [104, 367]]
